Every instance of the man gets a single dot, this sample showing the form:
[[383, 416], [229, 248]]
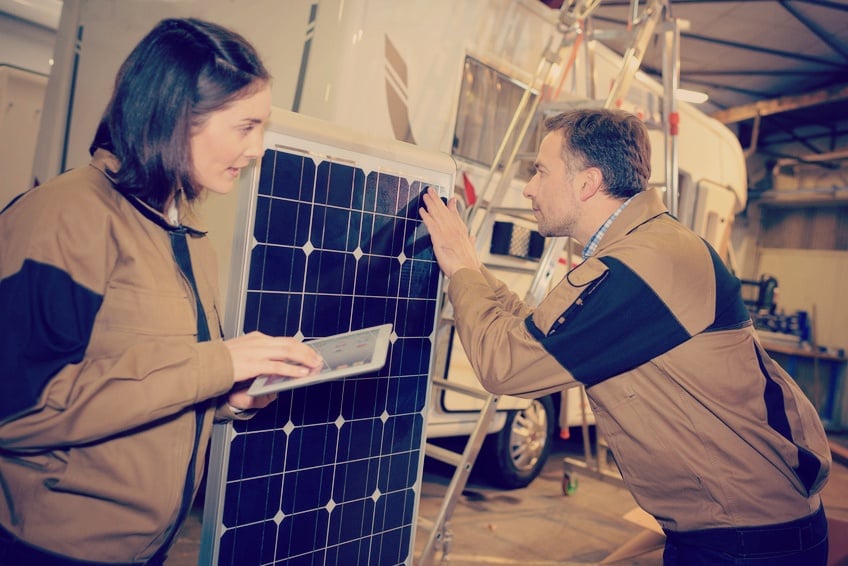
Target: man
[[712, 437]]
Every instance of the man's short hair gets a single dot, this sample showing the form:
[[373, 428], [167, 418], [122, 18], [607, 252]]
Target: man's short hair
[[614, 141]]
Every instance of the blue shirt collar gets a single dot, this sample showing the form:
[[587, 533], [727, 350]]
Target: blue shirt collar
[[595, 240]]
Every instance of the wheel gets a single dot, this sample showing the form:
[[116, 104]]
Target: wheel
[[514, 456]]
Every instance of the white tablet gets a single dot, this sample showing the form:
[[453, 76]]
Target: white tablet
[[345, 354]]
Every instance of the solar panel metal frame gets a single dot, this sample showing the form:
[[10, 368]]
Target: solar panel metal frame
[[301, 135]]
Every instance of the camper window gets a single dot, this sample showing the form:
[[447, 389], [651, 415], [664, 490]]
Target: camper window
[[488, 100]]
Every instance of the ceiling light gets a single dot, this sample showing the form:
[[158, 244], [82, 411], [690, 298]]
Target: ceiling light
[[693, 96]]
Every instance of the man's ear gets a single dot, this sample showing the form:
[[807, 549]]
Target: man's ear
[[593, 181]]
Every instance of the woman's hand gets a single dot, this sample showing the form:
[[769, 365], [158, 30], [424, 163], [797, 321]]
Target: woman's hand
[[240, 400], [259, 354]]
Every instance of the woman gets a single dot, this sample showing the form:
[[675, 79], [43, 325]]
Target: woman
[[112, 364]]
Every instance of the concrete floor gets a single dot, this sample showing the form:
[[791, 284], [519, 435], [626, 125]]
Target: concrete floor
[[539, 526]]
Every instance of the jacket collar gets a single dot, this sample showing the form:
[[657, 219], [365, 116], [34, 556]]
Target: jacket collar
[[644, 207], [108, 164]]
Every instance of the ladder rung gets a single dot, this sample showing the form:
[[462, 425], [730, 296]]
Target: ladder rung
[[523, 213], [513, 268], [556, 106], [608, 34], [443, 455], [426, 523], [460, 388]]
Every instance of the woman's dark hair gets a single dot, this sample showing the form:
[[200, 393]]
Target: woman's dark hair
[[180, 72], [614, 141]]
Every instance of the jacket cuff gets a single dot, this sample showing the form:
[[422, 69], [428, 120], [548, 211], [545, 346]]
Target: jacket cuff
[[216, 369], [463, 281], [227, 412]]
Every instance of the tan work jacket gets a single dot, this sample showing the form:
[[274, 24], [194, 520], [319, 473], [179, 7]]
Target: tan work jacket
[[102, 377], [707, 430]]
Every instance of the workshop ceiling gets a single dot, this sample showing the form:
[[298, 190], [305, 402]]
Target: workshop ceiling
[[776, 71], [785, 61]]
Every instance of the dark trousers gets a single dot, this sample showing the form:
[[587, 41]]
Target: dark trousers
[[795, 543], [15, 552]]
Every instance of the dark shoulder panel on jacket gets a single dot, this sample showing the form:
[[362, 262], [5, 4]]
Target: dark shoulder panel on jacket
[[46, 324], [617, 324], [50, 288], [730, 309]]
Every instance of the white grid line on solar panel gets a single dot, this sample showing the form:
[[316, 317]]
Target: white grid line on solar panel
[[358, 273], [360, 539], [381, 535], [412, 306], [354, 295], [368, 163], [271, 198], [379, 460], [286, 469], [327, 506], [395, 401], [332, 467], [369, 538], [372, 179], [245, 475], [384, 457], [331, 505]]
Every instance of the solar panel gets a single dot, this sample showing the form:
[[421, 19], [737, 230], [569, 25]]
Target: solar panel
[[329, 240]]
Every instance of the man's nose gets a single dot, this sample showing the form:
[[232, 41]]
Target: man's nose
[[529, 188]]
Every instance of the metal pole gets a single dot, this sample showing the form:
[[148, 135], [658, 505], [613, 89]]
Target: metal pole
[[671, 118]]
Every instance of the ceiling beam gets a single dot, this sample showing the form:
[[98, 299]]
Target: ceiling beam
[[782, 104], [815, 158], [794, 55]]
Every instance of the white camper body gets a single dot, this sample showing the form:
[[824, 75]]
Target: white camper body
[[393, 69]]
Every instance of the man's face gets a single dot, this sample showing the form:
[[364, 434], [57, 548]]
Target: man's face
[[554, 190]]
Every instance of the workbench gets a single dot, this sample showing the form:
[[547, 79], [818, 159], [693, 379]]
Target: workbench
[[820, 375]]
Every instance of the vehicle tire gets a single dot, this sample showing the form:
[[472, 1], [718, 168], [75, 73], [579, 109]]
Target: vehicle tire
[[514, 456]]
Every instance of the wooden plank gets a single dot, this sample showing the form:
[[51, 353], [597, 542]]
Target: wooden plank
[[782, 104]]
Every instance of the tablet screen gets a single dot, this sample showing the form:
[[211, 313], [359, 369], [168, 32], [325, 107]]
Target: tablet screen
[[346, 354]]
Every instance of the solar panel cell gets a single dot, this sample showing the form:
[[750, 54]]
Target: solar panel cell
[[328, 474]]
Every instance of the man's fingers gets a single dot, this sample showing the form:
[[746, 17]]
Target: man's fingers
[[435, 212], [452, 205]]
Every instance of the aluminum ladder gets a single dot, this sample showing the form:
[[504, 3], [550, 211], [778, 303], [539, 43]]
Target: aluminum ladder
[[480, 218]]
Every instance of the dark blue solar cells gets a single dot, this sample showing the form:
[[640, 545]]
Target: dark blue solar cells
[[326, 474]]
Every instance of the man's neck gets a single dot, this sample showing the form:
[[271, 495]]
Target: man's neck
[[601, 208], [594, 242]]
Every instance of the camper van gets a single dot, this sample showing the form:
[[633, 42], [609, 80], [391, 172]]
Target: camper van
[[445, 75]]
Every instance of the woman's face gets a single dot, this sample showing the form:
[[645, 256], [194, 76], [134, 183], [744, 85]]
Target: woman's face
[[229, 140]]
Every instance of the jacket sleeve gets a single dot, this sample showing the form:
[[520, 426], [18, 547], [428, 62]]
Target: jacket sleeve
[[492, 325], [569, 337], [509, 301], [54, 266]]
